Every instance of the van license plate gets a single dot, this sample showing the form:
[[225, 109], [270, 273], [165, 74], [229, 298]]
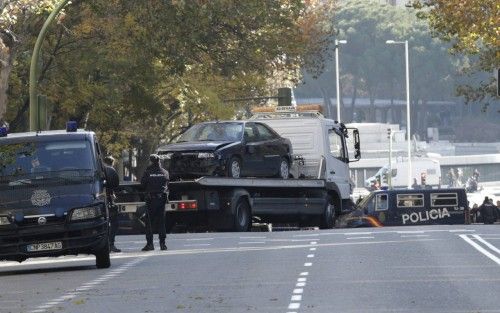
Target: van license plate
[[45, 246]]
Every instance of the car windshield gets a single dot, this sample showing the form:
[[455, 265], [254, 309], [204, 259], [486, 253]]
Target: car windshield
[[22, 162], [213, 132]]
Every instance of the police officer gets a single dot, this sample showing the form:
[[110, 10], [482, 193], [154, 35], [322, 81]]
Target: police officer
[[112, 208], [155, 183], [489, 211]]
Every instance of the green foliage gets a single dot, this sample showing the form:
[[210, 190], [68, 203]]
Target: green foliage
[[472, 27], [139, 72]]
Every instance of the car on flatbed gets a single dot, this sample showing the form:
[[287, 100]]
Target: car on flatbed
[[53, 195], [228, 148]]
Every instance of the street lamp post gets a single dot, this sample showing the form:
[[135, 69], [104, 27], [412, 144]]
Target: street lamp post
[[34, 108], [408, 129], [337, 77]]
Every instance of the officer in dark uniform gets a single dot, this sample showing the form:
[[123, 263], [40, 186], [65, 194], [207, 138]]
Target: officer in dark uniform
[[489, 211], [155, 183], [112, 208]]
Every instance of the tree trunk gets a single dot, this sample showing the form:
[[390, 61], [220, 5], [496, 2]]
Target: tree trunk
[[6, 65]]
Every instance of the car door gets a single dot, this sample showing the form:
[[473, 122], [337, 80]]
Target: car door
[[252, 152], [271, 149]]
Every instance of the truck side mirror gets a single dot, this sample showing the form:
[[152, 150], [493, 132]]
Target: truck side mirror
[[357, 146]]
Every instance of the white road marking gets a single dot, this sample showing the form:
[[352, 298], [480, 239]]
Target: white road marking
[[387, 232], [312, 249], [354, 238], [298, 290], [293, 306], [480, 249], [489, 245], [302, 279], [253, 237], [199, 239], [296, 298], [70, 259], [251, 243], [314, 243], [308, 264], [310, 255], [197, 245], [304, 273], [72, 294], [301, 284]]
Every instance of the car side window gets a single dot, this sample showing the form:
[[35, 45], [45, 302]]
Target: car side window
[[250, 133], [336, 146], [264, 132]]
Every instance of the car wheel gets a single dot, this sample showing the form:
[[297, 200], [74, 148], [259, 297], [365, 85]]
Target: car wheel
[[102, 259], [242, 216], [328, 217], [284, 169], [234, 168]]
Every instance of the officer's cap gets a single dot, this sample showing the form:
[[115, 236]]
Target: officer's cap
[[155, 158], [109, 159]]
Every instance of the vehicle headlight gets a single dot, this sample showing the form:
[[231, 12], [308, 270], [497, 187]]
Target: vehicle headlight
[[206, 155], [4, 220], [85, 213]]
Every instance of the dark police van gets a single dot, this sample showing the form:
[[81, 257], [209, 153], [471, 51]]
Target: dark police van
[[409, 207], [53, 195]]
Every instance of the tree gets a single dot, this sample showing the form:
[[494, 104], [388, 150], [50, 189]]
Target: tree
[[16, 21], [140, 72], [472, 26]]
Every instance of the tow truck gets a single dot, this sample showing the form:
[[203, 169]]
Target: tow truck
[[317, 192]]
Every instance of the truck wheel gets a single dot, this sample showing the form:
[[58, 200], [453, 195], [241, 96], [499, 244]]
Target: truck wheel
[[328, 217], [242, 216], [234, 167], [102, 259], [284, 169]]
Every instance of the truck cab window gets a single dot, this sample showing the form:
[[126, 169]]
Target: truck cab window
[[336, 146]]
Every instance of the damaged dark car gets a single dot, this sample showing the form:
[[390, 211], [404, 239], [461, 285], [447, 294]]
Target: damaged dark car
[[231, 149]]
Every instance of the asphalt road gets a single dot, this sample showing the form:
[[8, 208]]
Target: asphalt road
[[404, 269]]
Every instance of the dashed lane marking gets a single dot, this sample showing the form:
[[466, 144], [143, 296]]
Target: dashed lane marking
[[198, 245], [252, 243], [72, 294]]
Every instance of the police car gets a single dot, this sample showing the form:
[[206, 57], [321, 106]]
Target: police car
[[53, 195], [401, 207]]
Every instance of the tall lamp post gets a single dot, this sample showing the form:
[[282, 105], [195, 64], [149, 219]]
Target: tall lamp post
[[34, 107], [337, 45], [392, 42]]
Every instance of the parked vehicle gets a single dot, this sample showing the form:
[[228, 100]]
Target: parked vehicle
[[314, 197], [400, 207], [233, 149], [52, 195]]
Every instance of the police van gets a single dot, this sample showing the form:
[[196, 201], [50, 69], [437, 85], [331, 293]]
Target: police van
[[401, 207], [53, 195]]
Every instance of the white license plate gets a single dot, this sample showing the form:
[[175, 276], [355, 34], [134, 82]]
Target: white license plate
[[45, 246]]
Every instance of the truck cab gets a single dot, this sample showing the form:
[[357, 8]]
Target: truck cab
[[53, 195], [321, 144]]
